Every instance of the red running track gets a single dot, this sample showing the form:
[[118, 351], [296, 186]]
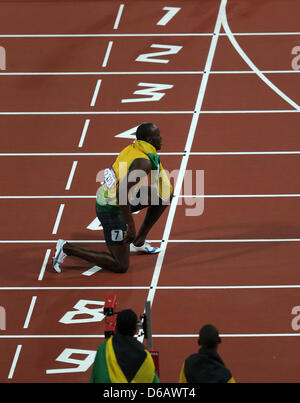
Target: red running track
[[235, 265]]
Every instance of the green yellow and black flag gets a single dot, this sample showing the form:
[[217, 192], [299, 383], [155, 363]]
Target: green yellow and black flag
[[123, 359]]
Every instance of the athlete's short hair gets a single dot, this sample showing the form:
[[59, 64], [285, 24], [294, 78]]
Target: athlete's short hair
[[209, 336], [144, 131], [126, 322]]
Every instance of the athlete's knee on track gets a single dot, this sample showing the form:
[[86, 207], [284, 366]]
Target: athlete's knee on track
[[122, 267]]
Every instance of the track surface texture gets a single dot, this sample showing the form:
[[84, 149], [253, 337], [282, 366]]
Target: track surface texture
[[221, 79]]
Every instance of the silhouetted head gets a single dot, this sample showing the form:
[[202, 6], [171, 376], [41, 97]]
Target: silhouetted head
[[149, 132], [126, 322], [209, 337]]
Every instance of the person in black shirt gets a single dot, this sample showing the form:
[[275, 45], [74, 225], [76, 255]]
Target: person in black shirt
[[206, 366]]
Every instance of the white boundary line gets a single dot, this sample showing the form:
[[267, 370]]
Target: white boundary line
[[107, 53], [96, 91], [30, 310], [71, 175], [203, 153], [194, 287], [91, 271], [204, 196], [185, 158], [251, 111], [33, 113], [93, 336], [108, 73], [105, 35], [240, 196], [263, 33], [15, 360], [247, 60], [47, 197], [76, 288], [232, 335], [233, 153], [296, 33], [80, 154], [83, 134], [104, 113], [118, 18], [234, 240], [44, 265], [58, 218]]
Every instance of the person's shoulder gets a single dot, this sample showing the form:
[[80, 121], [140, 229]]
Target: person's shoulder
[[142, 163], [192, 357]]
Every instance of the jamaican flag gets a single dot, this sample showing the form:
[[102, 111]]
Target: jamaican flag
[[206, 366], [123, 359]]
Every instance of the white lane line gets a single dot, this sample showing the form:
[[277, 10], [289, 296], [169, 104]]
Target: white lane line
[[250, 335], [204, 153], [263, 33], [75, 288], [93, 336], [105, 35], [58, 218], [84, 131], [147, 112], [233, 153], [253, 72], [252, 111], [234, 240], [107, 54], [101, 73], [91, 271], [117, 20], [92, 241], [71, 175], [15, 360], [145, 35], [30, 310], [81, 154], [249, 61], [93, 102], [240, 196], [178, 196], [185, 158], [228, 287], [44, 264], [179, 287], [48, 197]]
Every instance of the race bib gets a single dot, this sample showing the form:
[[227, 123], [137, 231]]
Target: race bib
[[117, 235], [109, 178]]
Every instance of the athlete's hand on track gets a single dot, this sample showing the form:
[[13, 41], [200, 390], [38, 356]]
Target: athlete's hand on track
[[130, 234]]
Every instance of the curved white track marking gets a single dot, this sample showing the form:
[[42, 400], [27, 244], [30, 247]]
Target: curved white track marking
[[250, 63]]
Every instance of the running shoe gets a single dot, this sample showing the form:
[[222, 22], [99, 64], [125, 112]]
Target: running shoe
[[146, 248], [59, 256]]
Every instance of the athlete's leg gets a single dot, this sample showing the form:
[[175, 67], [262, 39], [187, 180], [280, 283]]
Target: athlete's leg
[[155, 208], [117, 261], [114, 227]]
